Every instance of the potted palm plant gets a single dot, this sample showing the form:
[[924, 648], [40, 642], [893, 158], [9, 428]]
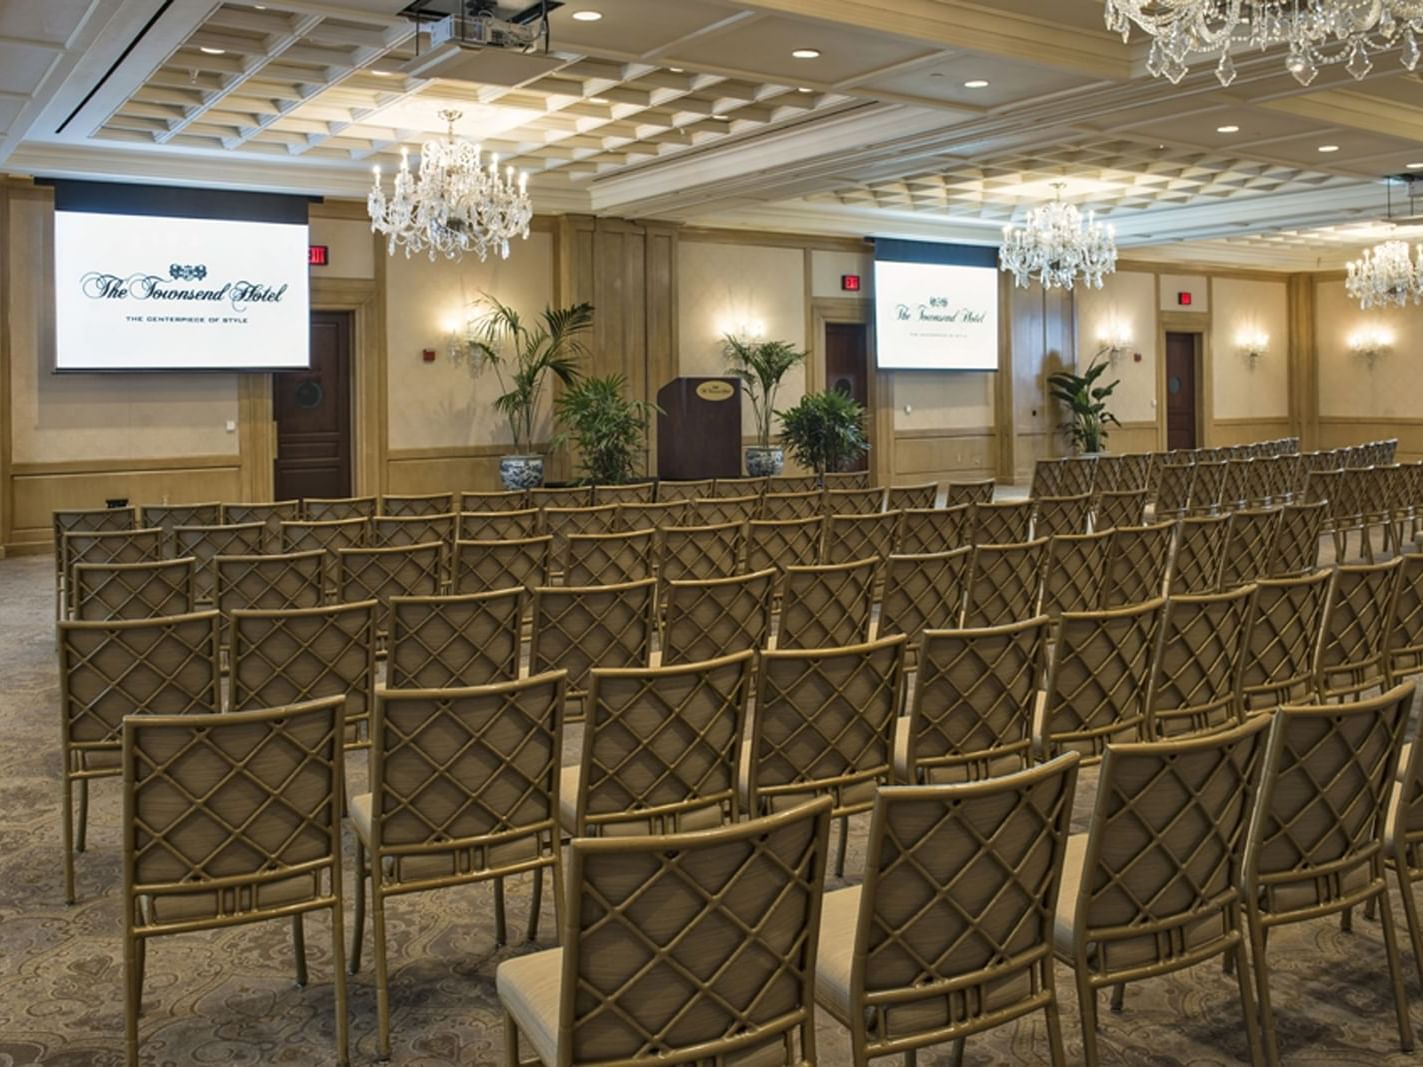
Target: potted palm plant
[[761, 365], [824, 431], [522, 358], [608, 429], [1086, 403]]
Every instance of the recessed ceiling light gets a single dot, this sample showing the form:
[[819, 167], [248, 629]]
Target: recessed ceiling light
[[1415, 166], [383, 73], [599, 100], [1329, 148], [675, 70], [806, 53], [803, 89], [213, 51], [976, 83], [722, 118], [1227, 129], [587, 16]]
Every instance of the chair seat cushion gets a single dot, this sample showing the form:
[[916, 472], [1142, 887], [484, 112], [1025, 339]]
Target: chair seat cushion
[[570, 782], [161, 908], [439, 863], [839, 913], [1310, 892], [529, 990]]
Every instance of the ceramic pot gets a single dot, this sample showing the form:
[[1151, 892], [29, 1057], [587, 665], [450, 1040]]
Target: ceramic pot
[[521, 472], [764, 462]]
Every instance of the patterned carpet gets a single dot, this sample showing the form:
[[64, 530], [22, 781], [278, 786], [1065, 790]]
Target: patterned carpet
[[229, 998]]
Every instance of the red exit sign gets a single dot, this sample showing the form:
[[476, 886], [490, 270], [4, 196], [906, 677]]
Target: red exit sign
[[850, 283], [317, 256], [1183, 299]]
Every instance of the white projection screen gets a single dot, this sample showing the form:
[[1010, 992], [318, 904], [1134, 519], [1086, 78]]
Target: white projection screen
[[936, 306], [152, 292]]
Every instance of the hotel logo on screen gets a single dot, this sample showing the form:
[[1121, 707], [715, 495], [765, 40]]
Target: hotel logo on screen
[[938, 309], [178, 287]]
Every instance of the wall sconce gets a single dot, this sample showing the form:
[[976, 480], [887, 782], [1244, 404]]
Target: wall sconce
[[1253, 345], [1370, 343], [750, 330], [1114, 340]]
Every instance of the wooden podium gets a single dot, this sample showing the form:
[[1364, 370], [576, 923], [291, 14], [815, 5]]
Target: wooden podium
[[699, 428]]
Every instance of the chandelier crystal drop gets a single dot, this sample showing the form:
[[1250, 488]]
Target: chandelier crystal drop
[[1056, 246], [1318, 33], [1387, 275], [455, 203]]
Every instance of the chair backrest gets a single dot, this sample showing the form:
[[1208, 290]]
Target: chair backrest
[[826, 606], [107, 546], [869, 536], [1137, 560], [1097, 679], [972, 712], [571, 496], [1162, 853], [977, 492], [1078, 475], [702, 896], [1199, 554], [1047, 478], [381, 573], [1107, 474], [286, 657], [260, 796], [738, 487], [1173, 493], [823, 724], [782, 543], [609, 558], [863, 501], [1353, 648], [1061, 515], [1283, 640], [274, 582], [718, 510], [516, 563], [1006, 522], [1405, 630], [498, 525], [662, 746], [1324, 789], [1296, 546], [504, 500], [1196, 682], [1121, 507], [105, 591], [1072, 572], [329, 509], [416, 506], [453, 642], [786, 506], [903, 497], [495, 792], [708, 618], [329, 535], [162, 666], [792, 483], [1208, 487], [631, 493], [167, 517], [927, 530], [561, 522], [392, 531], [959, 897], [1248, 540], [684, 490], [687, 553], [204, 543], [271, 513], [577, 628], [923, 592], [645, 516], [1004, 583], [1135, 472]]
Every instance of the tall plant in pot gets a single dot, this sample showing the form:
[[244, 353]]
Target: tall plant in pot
[[761, 365], [608, 428], [824, 431], [522, 358], [1086, 404]]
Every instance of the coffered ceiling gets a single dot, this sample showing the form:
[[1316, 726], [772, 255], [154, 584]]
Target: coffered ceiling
[[940, 118]]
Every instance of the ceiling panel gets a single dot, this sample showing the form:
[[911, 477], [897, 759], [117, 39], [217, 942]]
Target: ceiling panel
[[1008, 81], [634, 27]]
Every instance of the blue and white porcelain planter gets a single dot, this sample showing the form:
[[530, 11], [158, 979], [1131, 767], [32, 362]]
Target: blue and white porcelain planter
[[764, 462], [521, 472]]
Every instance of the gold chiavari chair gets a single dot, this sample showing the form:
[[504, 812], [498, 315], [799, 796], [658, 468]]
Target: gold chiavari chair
[[329, 535], [684, 490], [1125, 507], [860, 501], [1007, 522], [272, 515], [1196, 682], [934, 529], [630, 493], [782, 507], [421, 505], [609, 558], [107, 591], [1249, 539], [687, 553], [498, 525], [454, 642], [205, 543], [1061, 515], [784, 542], [1353, 647], [903, 497], [826, 606], [517, 563], [166, 517], [503, 500], [107, 547], [334, 509], [1295, 550], [577, 628], [1004, 583], [979, 492], [1282, 642], [708, 618], [923, 592], [1199, 554], [1138, 558], [96, 520], [644, 516], [1072, 572]]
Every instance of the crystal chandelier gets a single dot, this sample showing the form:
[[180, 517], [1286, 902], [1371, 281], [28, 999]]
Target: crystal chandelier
[[1386, 276], [1317, 32], [1057, 246], [454, 205]]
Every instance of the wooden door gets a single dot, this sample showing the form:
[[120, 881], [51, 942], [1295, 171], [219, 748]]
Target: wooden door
[[312, 408], [847, 369], [1181, 390]]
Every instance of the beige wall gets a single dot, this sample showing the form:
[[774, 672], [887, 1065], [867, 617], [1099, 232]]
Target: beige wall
[[1243, 389], [1125, 304]]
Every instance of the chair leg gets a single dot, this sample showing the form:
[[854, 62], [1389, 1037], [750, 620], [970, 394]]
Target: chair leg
[[511, 1041], [67, 820], [338, 970], [911, 1058], [1056, 1050], [1119, 996], [1262, 986], [501, 931], [535, 903], [382, 978], [1247, 1003], [1087, 1005], [1395, 969], [299, 948], [133, 994], [1371, 909], [1410, 915], [844, 843], [358, 930], [1346, 920], [82, 834]]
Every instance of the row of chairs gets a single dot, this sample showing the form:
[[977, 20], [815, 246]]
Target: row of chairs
[[971, 891], [1115, 472]]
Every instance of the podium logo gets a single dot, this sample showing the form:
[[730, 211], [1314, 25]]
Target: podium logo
[[716, 389]]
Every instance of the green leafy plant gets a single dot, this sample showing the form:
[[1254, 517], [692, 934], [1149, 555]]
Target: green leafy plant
[[1086, 403], [761, 365], [608, 429], [824, 431], [522, 357]]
